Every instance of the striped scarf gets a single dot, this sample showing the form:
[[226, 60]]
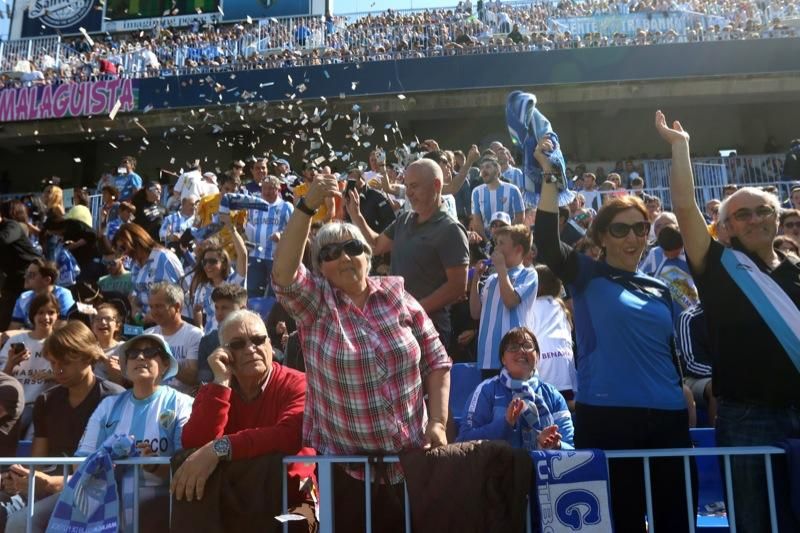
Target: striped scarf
[[90, 501], [535, 415]]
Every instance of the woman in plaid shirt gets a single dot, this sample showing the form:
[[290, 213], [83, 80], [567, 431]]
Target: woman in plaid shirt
[[371, 355]]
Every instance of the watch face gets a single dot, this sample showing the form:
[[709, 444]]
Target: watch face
[[221, 447]]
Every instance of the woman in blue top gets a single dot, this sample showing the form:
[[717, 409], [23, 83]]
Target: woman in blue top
[[516, 406], [629, 386]]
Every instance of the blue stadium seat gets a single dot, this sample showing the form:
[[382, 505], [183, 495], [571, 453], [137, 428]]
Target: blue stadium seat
[[709, 479], [464, 378], [24, 448], [262, 306]]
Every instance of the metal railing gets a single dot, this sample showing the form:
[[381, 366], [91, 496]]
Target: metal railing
[[65, 462], [325, 466]]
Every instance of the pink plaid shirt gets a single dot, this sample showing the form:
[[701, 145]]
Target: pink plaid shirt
[[364, 368]]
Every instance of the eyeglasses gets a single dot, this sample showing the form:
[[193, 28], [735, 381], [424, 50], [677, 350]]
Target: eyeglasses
[[109, 262], [103, 319], [746, 215], [516, 348], [147, 353], [241, 344], [620, 230], [210, 261], [332, 252], [791, 225]]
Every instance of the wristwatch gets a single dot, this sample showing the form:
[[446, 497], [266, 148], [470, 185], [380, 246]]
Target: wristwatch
[[551, 177], [301, 206], [222, 448]]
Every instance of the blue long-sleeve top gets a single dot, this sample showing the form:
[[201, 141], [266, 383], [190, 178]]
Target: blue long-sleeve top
[[486, 414]]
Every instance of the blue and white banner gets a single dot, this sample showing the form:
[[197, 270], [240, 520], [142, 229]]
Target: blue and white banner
[[572, 491], [629, 24]]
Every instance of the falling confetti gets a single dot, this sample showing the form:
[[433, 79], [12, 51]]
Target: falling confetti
[[115, 110]]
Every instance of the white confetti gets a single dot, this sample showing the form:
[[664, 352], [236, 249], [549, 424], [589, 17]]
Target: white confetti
[[401, 97], [86, 36], [266, 84], [115, 110], [353, 85], [114, 146], [77, 159]]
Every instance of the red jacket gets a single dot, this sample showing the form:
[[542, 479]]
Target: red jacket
[[271, 424]]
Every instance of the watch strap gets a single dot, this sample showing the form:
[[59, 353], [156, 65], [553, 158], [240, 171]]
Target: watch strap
[[302, 206]]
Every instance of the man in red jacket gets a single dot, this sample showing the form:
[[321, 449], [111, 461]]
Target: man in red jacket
[[254, 407]]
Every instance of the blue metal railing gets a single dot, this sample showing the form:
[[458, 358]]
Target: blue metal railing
[[325, 480], [32, 462]]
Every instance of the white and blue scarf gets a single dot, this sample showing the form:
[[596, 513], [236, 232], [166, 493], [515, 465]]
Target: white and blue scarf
[[770, 300], [536, 415], [90, 500], [527, 125]]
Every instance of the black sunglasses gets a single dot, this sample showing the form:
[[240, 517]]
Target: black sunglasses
[[148, 353], [241, 344], [791, 225], [210, 261], [620, 230], [332, 252]]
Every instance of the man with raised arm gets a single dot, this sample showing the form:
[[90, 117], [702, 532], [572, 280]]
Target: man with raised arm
[[751, 297]]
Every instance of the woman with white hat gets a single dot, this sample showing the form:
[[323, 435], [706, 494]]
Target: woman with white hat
[[154, 414]]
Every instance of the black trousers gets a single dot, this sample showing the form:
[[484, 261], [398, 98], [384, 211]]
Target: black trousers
[[388, 505], [620, 428]]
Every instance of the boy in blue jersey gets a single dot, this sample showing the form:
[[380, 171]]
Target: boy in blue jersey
[[508, 296], [127, 181]]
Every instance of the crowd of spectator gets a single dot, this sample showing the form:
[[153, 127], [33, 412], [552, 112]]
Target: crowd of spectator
[[364, 284], [484, 28]]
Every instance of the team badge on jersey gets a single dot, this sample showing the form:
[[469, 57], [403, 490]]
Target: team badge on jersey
[[166, 418]]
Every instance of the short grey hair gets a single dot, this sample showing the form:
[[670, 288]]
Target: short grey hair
[[237, 317], [769, 198], [272, 180], [334, 232], [172, 292]]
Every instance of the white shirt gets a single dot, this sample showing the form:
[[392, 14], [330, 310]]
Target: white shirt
[[190, 184], [556, 359], [184, 343], [33, 371]]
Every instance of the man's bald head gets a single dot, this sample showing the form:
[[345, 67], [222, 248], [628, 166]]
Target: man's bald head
[[425, 169], [424, 181]]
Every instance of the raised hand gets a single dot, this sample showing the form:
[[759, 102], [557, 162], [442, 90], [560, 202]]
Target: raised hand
[[220, 364], [672, 135]]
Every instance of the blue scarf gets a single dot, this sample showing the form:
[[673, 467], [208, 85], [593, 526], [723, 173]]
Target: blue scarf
[[535, 415], [90, 501], [571, 488], [527, 125]]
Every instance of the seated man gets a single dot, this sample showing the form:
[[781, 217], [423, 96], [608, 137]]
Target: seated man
[[254, 407]]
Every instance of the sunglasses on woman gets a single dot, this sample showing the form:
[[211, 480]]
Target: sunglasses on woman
[[148, 353], [333, 251], [210, 261], [241, 344], [620, 230]]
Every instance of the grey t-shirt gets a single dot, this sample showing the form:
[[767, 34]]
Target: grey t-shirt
[[422, 253]]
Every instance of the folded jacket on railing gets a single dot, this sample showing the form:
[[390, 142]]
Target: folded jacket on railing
[[475, 486], [571, 489]]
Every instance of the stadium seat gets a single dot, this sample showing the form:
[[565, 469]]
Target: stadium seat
[[464, 377], [262, 306]]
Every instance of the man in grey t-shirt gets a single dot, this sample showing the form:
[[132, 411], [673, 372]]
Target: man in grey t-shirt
[[429, 248]]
